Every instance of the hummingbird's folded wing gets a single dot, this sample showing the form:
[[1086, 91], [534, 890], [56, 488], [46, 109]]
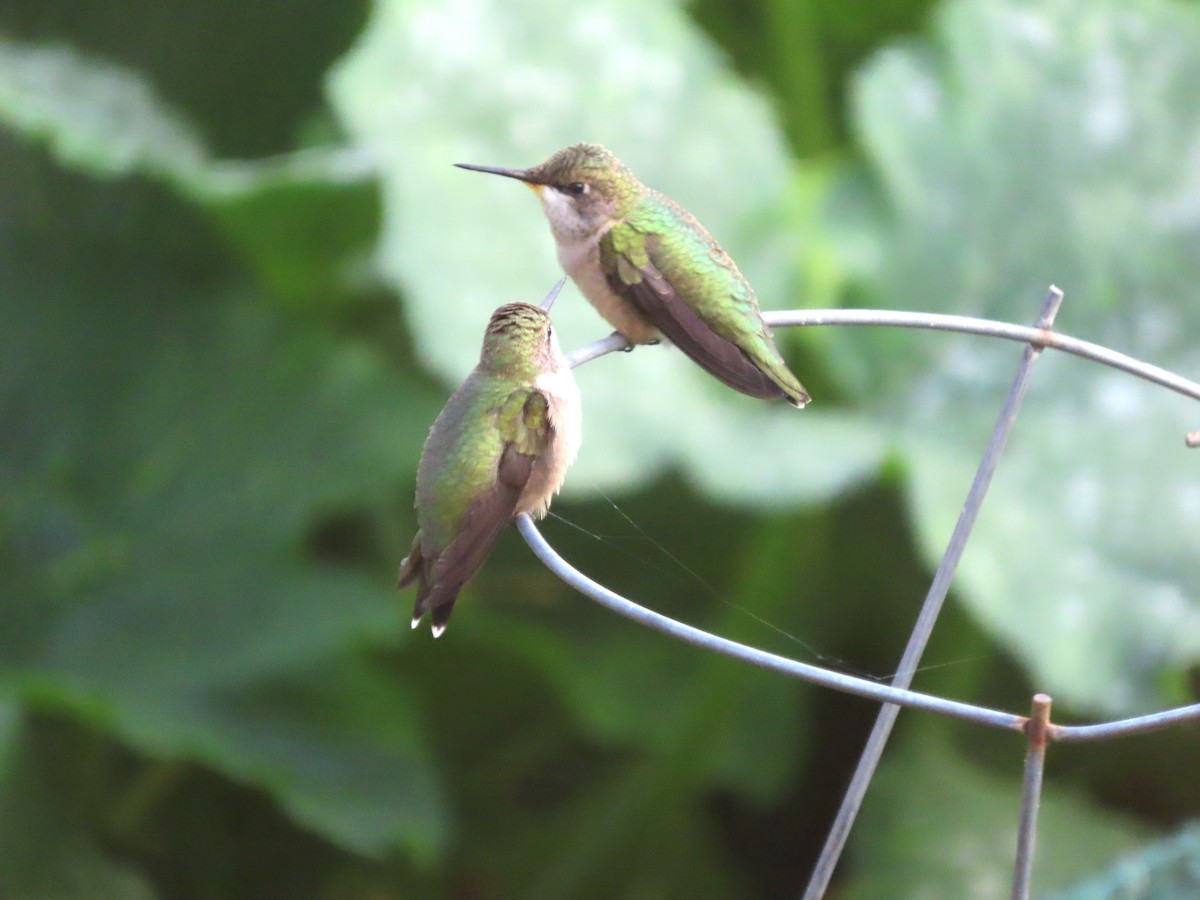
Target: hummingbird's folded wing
[[524, 426], [653, 296]]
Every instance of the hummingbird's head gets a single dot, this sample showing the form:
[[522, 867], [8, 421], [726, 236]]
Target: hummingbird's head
[[520, 341], [583, 188]]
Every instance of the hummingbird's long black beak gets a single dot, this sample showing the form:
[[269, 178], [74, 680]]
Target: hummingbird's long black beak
[[553, 295], [519, 174]]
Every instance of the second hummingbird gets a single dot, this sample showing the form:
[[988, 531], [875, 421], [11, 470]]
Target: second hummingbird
[[500, 447], [652, 271]]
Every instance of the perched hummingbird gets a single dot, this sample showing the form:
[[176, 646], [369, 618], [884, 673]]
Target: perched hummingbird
[[500, 447], [652, 271]]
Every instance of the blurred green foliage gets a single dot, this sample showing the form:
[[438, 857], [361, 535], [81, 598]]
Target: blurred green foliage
[[1163, 871], [238, 278]]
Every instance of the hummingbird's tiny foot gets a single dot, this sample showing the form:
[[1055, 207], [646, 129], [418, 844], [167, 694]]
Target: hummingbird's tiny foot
[[629, 345], [653, 343], [439, 630]]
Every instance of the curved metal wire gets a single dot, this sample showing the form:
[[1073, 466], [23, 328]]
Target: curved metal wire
[[1022, 334], [1039, 729], [838, 681], [1035, 336], [862, 687]]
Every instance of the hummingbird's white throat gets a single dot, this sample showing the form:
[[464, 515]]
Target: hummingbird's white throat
[[577, 238], [569, 224]]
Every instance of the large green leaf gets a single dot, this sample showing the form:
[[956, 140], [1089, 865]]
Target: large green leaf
[[339, 743], [170, 570], [167, 453], [507, 84], [247, 75], [149, 505], [1036, 142], [94, 114], [304, 220]]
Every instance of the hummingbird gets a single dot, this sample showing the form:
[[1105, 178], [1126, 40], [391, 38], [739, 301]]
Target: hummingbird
[[500, 447], [652, 271]]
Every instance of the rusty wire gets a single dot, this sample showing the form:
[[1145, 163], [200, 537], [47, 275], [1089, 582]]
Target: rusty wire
[[1037, 728]]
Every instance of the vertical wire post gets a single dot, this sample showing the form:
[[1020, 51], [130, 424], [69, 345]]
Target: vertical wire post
[[1036, 735], [839, 832]]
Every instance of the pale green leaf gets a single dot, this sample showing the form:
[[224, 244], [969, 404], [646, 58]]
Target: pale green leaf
[[93, 114], [1036, 142]]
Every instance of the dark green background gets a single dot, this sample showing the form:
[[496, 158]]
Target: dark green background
[[213, 397]]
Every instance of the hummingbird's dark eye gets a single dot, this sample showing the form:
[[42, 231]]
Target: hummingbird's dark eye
[[575, 188]]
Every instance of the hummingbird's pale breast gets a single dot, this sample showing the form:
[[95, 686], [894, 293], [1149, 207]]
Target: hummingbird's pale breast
[[577, 239], [581, 260], [566, 422]]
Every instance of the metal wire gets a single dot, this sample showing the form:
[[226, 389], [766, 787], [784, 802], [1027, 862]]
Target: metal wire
[[1078, 734], [1031, 795], [838, 681], [839, 832], [1022, 334], [871, 690], [1039, 729]]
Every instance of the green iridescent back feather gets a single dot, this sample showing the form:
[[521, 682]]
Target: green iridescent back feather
[[656, 229], [489, 410], [460, 458]]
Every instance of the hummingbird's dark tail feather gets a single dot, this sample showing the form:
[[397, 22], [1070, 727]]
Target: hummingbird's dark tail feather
[[411, 566], [439, 603], [435, 598], [443, 574], [657, 301], [439, 616]]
